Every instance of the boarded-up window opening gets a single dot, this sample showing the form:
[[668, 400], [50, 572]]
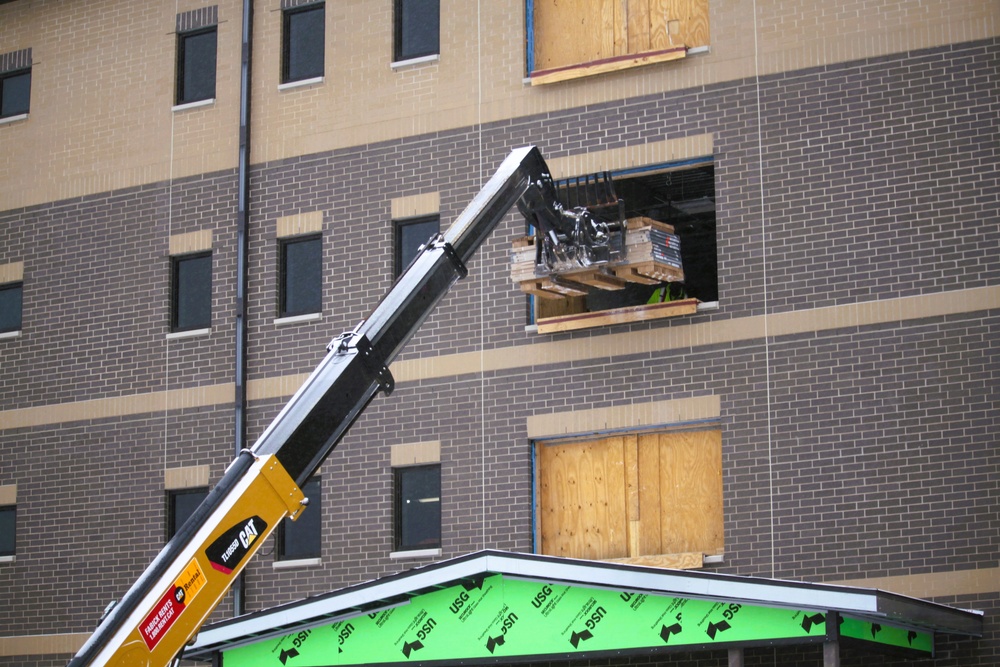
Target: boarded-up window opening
[[652, 498], [567, 40]]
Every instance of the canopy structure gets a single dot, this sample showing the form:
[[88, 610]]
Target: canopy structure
[[492, 606]]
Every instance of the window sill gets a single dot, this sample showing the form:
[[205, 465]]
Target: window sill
[[193, 333], [301, 83], [10, 334], [297, 563], [13, 119], [402, 64], [556, 74], [193, 105], [296, 319], [415, 553], [8, 559], [625, 315]]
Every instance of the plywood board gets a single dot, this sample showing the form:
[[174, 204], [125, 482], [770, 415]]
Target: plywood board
[[691, 27], [690, 490], [581, 489]]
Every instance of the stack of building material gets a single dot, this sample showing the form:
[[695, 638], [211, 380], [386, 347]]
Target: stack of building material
[[652, 256]]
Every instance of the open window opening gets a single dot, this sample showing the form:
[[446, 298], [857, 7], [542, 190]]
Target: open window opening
[[666, 264]]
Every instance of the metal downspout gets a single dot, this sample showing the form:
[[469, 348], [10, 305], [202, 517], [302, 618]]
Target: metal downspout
[[243, 260]]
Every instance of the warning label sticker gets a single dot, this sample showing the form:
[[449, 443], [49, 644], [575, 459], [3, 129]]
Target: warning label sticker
[[172, 604]]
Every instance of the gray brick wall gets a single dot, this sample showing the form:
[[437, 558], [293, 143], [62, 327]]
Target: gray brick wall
[[879, 181]]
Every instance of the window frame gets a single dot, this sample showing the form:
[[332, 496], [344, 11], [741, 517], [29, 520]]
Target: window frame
[[175, 288], [398, 227], [313, 490], [13, 538], [4, 78], [172, 525], [286, 42], [399, 32], [283, 268], [585, 306], [181, 71], [14, 285], [398, 518]]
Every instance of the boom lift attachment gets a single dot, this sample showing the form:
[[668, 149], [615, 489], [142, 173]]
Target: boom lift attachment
[[169, 602]]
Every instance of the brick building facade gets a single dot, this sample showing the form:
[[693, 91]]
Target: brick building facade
[[850, 361]]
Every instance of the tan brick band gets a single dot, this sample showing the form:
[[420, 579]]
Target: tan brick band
[[549, 352]]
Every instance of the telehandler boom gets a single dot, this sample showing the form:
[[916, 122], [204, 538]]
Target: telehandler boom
[[170, 601]]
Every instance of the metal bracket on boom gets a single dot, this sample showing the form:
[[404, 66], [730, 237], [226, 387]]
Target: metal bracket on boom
[[352, 342], [437, 242]]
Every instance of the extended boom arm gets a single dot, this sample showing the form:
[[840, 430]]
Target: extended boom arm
[[168, 604]]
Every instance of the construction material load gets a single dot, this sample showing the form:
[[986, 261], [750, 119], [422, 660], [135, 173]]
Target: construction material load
[[651, 255]]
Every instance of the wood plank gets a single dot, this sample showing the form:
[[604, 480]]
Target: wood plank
[[661, 273], [596, 277], [630, 451], [651, 540], [582, 499], [688, 561], [617, 316], [546, 288], [692, 17], [691, 491], [638, 26], [542, 76], [568, 33], [659, 37]]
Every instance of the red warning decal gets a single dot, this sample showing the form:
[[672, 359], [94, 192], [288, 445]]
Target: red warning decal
[[172, 604]]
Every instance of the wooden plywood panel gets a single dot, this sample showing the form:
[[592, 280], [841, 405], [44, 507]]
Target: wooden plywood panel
[[691, 17], [659, 36], [638, 26], [690, 482], [650, 540], [582, 501], [572, 32]]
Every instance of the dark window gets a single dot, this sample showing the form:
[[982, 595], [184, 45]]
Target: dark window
[[15, 93], [192, 292], [10, 307], [8, 516], [410, 235], [180, 506], [417, 28], [301, 288], [196, 53], [417, 507], [303, 43], [302, 538]]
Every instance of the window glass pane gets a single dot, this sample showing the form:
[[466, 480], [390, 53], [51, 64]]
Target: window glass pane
[[410, 236], [15, 94], [302, 538], [418, 509], [417, 28], [192, 292], [304, 44], [196, 64], [182, 506], [10, 307], [7, 527], [302, 277]]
